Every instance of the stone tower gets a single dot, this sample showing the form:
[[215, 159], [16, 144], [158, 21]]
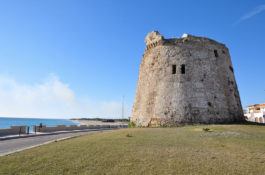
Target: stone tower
[[185, 80]]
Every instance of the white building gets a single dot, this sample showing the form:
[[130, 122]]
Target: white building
[[256, 113]]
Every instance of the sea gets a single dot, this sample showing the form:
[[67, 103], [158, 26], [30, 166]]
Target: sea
[[6, 122]]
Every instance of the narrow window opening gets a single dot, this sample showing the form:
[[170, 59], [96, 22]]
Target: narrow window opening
[[174, 68], [231, 68], [215, 53], [183, 69]]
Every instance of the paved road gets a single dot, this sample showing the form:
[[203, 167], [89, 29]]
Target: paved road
[[9, 146]]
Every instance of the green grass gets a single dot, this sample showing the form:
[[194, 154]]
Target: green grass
[[226, 149]]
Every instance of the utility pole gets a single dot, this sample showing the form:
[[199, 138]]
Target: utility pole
[[122, 108]]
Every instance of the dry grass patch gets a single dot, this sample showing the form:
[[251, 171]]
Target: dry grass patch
[[228, 149]]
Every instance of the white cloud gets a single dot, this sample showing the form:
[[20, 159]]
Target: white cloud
[[50, 99], [252, 13]]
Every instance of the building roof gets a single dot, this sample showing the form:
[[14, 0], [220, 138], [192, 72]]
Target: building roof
[[256, 105], [261, 105]]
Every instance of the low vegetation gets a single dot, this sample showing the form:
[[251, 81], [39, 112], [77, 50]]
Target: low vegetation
[[206, 129], [227, 149], [131, 125], [128, 135], [103, 120]]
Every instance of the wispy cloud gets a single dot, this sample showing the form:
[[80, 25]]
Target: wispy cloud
[[252, 13], [51, 99]]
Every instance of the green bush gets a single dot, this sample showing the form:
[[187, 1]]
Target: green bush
[[131, 125], [206, 129]]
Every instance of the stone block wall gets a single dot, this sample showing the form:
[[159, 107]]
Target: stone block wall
[[13, 130], [74, 127]]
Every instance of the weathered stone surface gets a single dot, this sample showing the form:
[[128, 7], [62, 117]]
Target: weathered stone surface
[[201, 89], [153, 37]]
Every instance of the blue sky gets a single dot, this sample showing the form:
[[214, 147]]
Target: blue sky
[[77, 58]]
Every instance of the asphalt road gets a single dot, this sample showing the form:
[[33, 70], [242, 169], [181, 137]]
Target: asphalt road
[[13, 145]]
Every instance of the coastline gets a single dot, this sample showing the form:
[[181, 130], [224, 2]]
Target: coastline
[[7, 122]]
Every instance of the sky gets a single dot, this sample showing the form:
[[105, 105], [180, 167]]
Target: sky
[[78, 58]]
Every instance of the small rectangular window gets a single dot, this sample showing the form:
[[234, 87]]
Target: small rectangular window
[[174, 68], [215, 53], [183, 69], [231, 68]]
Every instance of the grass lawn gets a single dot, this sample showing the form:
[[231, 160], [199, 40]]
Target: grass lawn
[[225, 149]]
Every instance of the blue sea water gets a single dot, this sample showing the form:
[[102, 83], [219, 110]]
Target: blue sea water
[[6, 122]]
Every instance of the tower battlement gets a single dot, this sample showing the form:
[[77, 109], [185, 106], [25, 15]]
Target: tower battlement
[[154, 38]]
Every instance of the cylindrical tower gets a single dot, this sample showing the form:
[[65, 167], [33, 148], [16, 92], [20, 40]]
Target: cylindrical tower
[[185, 80]]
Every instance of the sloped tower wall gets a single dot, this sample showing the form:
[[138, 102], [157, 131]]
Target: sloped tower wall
[[185, 80]]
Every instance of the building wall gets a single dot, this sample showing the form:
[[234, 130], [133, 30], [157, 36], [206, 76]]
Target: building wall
[[257, 116], [206, 93]]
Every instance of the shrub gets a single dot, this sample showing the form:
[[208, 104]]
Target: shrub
[[108, 120], [128, 135], [131, 125], [206, 129]]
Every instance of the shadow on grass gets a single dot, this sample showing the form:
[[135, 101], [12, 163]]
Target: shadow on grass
[[198, 124], [245, 123]]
